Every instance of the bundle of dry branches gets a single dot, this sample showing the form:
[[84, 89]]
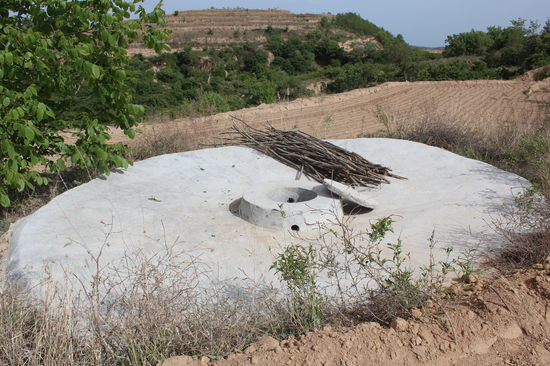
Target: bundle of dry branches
[[313, 157]]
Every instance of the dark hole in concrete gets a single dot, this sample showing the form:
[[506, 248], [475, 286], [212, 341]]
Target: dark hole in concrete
[[291, 195], [295, 228]]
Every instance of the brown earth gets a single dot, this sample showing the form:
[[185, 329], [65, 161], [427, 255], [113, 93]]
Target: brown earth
[[352, 114], [502, 321]]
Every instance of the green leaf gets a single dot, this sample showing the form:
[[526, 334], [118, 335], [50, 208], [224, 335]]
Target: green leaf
[[9, 58], [4, 200], [130, 133], [29, 134], [95, 71], [105, 35], [20, 185], [34, 160], [11, 152], [6, 101], [39, 113], [60, 164], [158, 47], [101, 154], [121, 75]]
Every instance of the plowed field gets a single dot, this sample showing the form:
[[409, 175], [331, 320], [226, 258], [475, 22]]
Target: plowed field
[[350, 114]]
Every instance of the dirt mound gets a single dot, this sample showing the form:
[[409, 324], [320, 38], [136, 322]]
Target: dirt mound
[[502, 321], [531, 76]]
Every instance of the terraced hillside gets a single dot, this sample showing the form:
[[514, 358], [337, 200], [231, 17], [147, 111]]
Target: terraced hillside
[[219, 27]]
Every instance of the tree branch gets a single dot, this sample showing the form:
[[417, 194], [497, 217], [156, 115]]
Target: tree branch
[[19, 14]]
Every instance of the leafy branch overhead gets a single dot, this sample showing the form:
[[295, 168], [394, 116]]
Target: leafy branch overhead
[[50, 50]]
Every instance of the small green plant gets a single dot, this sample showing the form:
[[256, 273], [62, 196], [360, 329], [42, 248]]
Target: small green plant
[[176, 13], [4, 225], [374, 275], [432, 276], [532, 154], [541, 75], [327, 121], [298, 268], [280, 210]]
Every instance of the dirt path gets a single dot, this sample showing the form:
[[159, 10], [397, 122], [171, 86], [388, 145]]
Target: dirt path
[[347, 115]]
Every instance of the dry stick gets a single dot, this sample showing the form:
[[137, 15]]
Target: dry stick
[[444, 311], [511, 311], [313, 157]]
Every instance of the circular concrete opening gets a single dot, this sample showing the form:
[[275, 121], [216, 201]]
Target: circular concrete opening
[[289, 205], [291, 195]]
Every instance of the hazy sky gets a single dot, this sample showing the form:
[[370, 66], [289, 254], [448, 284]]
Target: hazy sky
[[422, 23]]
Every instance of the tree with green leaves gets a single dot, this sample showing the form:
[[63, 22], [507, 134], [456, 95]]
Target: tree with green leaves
[[50, 51], [470, 43], [402, 54]]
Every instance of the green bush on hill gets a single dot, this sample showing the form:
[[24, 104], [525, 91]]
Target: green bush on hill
[[242, 75]]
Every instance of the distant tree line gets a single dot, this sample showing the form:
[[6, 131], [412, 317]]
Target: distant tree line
[[244, 75], [519, 45]]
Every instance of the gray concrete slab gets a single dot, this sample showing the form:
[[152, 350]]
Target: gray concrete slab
[[183, 200]]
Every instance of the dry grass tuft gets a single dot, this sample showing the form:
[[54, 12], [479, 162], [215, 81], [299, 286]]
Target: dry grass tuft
[[142, 310]]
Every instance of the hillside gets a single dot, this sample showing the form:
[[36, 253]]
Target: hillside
[[217, 28], [220, 27]]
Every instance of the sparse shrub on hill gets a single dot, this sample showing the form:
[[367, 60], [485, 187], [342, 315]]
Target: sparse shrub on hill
[[514, 46], [354, 23]]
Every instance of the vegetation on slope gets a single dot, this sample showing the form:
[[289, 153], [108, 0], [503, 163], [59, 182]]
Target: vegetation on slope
[[194, 82]]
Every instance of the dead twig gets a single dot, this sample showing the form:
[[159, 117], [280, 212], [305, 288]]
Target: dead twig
[[315, 158]]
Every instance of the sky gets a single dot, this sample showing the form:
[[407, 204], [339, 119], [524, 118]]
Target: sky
[[424, 23]]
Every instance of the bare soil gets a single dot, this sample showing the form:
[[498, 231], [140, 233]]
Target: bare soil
[[498, 321]]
